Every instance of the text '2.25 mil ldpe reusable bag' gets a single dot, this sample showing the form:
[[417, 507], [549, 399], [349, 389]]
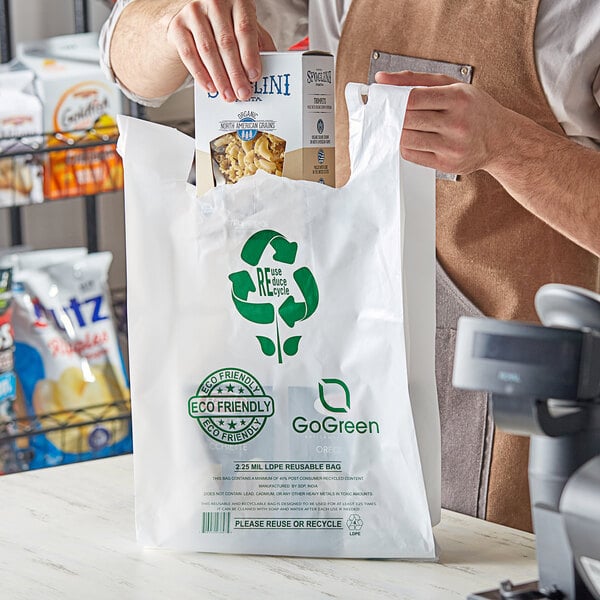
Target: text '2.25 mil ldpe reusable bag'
[[272, 350]]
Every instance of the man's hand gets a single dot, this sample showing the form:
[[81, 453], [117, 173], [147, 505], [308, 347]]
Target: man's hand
[[219, 42], [157, 43], [450, 126], [457, 128]]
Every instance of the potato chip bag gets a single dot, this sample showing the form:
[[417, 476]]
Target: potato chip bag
[[68, 358]]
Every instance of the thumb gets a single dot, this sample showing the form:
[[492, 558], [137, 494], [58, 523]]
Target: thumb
[[265, 41], [411, 78]]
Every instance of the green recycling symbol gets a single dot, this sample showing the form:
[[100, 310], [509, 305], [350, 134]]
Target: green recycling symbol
[[272, 284]]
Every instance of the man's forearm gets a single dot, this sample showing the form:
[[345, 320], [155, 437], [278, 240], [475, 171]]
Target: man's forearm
[[140, 55], [459, 128], [555, 178]]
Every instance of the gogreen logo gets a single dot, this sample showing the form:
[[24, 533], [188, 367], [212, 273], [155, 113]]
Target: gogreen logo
[[334, 397], [262, 294], [231, 406], [326, 402]]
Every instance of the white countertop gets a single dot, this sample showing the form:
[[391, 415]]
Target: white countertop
[[68, 533]]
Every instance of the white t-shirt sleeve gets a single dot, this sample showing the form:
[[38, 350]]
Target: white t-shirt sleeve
[[105, 39], [286, 22], [567, 52], [325, 22]]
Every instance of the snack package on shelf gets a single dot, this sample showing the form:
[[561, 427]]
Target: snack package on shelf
[[20, 130], [67, 357], [10, 460], [21, 258], [81, 106], [286, 128]]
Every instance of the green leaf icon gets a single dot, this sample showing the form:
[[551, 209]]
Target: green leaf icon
[[285, 251], [340, 385], [290, 346], [291, 311], [266, 344], [241, 286]]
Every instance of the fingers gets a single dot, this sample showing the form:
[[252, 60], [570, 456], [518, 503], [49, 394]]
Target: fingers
[[426, 159], [439, 139], [425, 120], [443, 97], [219, 42], [186, 46], [423, 141], [226, 65], [434, 91], [432, 150], [429, 137], [265, 41], [247, 34], [449, 125]]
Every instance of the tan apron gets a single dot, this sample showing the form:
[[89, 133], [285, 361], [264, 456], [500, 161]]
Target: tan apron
[[493, 254]]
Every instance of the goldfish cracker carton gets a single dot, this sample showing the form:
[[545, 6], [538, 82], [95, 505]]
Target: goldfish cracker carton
[[286, 128], [20, 130], [79, 101]]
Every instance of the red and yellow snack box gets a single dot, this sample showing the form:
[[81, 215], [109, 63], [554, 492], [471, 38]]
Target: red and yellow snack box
[[80, 108]]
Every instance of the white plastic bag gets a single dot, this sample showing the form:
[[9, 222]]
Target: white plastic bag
[[267, 326]]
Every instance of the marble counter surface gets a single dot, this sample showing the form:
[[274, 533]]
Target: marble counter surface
[[68, 533]]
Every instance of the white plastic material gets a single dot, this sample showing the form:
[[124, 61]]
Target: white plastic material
[[269, 323]]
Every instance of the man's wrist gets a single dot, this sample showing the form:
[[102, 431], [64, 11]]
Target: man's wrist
[[510, 144]]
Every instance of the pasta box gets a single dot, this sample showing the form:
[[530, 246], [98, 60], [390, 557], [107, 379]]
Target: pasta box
[[286, 128]]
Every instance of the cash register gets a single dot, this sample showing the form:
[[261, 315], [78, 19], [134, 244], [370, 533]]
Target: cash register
[[544, 382]]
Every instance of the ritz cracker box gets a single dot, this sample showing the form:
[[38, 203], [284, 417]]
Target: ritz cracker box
[[77, 98], [286, 128]]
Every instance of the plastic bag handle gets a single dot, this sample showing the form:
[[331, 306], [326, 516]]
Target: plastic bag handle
[[375, 127]]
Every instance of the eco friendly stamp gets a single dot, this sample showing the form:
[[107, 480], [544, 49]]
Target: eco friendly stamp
[[231, 406]]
